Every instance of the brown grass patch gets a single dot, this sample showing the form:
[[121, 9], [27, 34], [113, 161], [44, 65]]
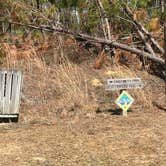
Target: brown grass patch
[[69, 85], [72, 82]]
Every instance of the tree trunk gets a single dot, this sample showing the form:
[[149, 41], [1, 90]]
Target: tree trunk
[[105, 22], [162, 6], [38, 4]]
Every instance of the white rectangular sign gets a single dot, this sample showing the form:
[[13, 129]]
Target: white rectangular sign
[[128, 83], [123, 80]]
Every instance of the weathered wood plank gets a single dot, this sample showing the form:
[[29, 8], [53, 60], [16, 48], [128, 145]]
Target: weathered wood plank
[[10, 87], [8, 77], [15, 97], [2, 81]]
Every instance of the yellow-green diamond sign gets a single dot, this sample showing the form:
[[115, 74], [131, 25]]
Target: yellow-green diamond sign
[[124, 101]]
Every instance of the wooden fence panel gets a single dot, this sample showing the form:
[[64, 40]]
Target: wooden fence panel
[[10, 88]]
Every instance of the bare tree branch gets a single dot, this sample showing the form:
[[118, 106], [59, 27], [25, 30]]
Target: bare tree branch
[[141, 28], [86, 38]]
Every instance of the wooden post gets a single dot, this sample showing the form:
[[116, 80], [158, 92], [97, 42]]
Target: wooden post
[[165, 53], [124, 113], [165, 47], [165, 40]]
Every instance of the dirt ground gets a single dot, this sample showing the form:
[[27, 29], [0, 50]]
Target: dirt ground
[[103, 140], [42, 137]]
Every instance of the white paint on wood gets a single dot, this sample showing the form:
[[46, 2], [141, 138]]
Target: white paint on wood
[[10, 87]]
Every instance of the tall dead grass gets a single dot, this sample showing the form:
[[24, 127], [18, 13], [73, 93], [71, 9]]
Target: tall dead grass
[[71, 80], [67, 79], [13, 54]]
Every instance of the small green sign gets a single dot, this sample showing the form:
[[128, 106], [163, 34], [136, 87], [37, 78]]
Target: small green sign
[[124, 101]]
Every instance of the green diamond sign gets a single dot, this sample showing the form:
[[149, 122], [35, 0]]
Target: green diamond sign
[[124, 101]]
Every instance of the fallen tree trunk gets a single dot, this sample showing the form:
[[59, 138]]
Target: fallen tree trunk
[[89, 39]]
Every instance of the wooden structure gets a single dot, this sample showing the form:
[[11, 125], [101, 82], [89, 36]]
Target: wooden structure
[[10, 87], [165, 47]]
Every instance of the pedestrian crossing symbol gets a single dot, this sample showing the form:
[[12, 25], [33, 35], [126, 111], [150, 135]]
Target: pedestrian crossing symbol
[[124, 101]]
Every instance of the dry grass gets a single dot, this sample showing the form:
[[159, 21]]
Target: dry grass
[[42, 138], [72, 82], [13, 54], [67, 79]]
